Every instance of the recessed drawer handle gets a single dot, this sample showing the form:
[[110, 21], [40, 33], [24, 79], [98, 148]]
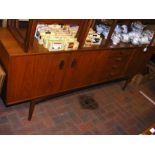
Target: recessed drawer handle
[[111, 74], [61, 65], [114, 67], [74, 63], [118, 59], [122, 53]]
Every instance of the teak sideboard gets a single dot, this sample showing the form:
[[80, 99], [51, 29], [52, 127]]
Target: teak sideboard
[[38, 73]]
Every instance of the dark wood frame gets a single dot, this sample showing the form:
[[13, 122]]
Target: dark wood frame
[[12, 25]]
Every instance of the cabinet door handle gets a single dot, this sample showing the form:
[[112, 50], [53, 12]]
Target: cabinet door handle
[[74, 63], [61, 65]]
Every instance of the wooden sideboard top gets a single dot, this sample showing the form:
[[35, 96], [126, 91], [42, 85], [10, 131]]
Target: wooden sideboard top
[[13, 48]]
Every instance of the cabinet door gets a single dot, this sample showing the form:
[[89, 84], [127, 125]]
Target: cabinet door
[[84, 69], [19, 79], [49, 71]]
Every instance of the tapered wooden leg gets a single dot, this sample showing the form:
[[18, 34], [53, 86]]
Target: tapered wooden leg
[[126, 83], [31, 109]]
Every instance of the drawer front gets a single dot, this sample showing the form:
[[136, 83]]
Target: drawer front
[[117, 66], [114, 74], [119, 53]]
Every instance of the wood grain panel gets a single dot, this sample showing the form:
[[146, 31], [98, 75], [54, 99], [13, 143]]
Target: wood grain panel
[[19, 84], [80, 70], [49, 73]]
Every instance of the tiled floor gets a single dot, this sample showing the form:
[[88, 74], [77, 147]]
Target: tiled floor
[[119, 112]]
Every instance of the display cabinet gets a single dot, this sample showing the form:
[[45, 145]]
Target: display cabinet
[[97, 33], [49, 57], [90, 34], [132, 33], [27, 34]]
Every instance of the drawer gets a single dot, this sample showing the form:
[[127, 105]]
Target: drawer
[[116, 67], [117, 61], [119, 54], [114, 74]]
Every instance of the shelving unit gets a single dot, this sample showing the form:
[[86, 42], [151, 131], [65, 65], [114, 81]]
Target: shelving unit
[[83, 32], [95, 29]]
